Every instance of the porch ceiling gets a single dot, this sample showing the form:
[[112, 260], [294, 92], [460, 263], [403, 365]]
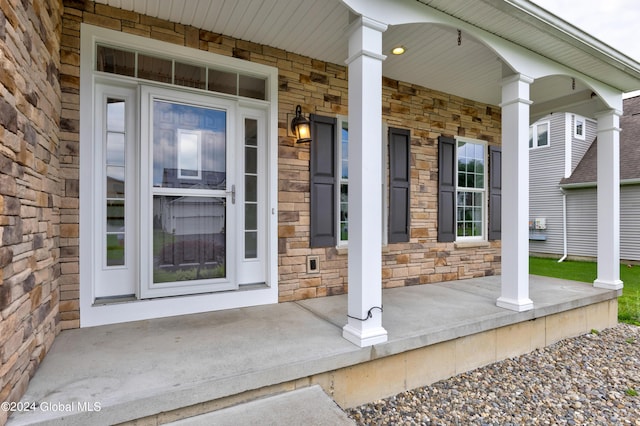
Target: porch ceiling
[[433, 59]]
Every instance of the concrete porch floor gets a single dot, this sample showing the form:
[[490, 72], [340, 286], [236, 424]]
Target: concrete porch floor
[[179, 365]]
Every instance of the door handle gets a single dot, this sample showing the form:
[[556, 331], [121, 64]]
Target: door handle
[[233, 194]]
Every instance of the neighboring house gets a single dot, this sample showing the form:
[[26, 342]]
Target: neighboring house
[[115, 116], [563, 193]]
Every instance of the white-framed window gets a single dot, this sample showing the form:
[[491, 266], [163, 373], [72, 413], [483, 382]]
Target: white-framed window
[[539, 134], [343, 186], [178, 162], [579, 127], [342, 157], [471, 189]]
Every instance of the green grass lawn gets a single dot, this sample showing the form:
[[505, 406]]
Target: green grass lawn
[[628, 303]]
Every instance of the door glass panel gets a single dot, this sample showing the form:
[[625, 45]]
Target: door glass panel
[[188, 238], [115, 216], [251, 244], [115, 182], [115, 249], [251, 216], [251, 159], [251, 188], [188, 146], [190, 215], [115, 149]]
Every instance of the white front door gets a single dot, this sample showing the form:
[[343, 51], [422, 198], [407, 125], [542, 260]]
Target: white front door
[[188, 202], [182, 194]]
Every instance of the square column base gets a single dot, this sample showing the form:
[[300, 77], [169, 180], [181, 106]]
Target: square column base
[[609, 285], [518, 305], [364, 337]]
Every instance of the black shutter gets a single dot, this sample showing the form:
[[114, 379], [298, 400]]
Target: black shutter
[[399, 184], [323, 182], [446, 189], [495, 192]]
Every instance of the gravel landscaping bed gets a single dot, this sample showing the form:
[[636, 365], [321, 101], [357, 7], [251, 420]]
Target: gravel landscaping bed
[[592, 379]]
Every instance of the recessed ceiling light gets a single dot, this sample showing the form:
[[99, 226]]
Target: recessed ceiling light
[[398, 50]]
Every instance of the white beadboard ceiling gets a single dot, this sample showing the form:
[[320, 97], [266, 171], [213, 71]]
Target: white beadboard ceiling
[[316, 28]]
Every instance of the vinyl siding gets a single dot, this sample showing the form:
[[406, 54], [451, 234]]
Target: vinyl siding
[[630, 222], [546, 168], [582, 222]]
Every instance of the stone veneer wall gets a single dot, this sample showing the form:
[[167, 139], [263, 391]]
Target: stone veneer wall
[[29, 189], [320, 88]]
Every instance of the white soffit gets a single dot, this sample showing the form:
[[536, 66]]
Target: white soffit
[[434, 59]]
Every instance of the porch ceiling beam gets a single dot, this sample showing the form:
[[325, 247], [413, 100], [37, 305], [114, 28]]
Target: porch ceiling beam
[[579, 100]]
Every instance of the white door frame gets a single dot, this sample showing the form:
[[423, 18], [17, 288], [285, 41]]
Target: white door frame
[[93, 312]]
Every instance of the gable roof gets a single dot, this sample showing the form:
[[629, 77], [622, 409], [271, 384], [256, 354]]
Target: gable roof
[[586, 172]]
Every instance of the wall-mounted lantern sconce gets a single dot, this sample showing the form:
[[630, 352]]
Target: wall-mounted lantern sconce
[[300, 127]]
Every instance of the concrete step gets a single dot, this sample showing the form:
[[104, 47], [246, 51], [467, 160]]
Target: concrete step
[[307, 406]]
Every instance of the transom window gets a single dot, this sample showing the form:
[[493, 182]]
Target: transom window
[[470, 189], [539, 135], [154, 68]]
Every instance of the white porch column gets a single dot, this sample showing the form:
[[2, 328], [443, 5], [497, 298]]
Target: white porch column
[[515, 193], [364, 326], [608, 200]]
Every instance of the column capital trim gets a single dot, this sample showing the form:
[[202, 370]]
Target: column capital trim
[[608, 112], [517, 78], [367, 53], [363, 21]]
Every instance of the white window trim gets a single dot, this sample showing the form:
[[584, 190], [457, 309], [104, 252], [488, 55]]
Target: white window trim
[[534, 129], [340, 120], [576, 135], [485, 191], [92, 314]]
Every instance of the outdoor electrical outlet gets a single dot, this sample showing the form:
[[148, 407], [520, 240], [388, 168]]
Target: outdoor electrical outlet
[[313, 264]]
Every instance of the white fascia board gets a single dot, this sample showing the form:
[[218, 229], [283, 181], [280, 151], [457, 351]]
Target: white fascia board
[[578, 185]]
